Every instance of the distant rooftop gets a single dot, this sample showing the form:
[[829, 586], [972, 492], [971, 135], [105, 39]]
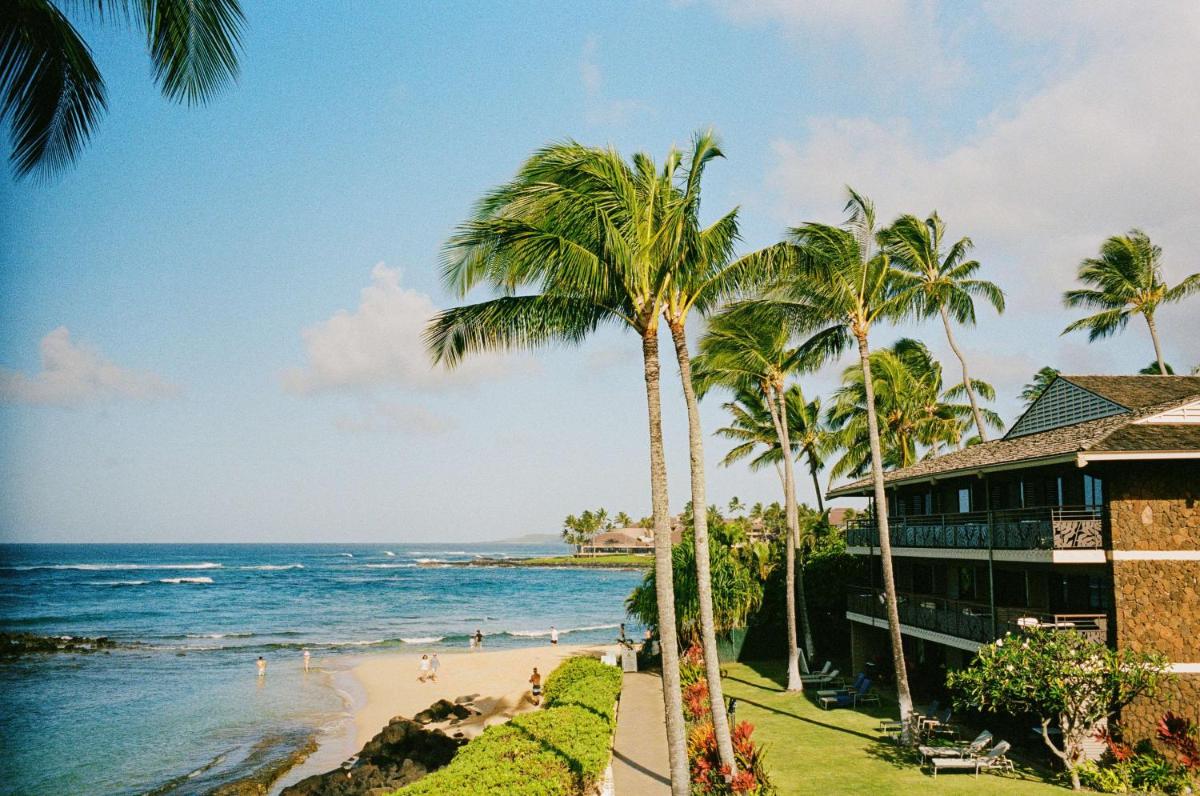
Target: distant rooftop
[[1076, 414]]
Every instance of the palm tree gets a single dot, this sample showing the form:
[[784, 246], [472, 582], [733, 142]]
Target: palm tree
[[947, 286], [52, 94], [748, 352], [1153, 370], [1041, 380], [917, 417], [623, 520], [840, 285], [595, 239], [1126, 280]]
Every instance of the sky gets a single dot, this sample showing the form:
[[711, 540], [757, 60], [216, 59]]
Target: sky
[[210, 326]]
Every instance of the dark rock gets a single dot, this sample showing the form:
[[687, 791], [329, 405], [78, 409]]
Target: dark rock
[[442, 710], [16, 644], [402, 753]]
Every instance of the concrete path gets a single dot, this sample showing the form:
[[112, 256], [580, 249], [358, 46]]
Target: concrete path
[[640, 763]]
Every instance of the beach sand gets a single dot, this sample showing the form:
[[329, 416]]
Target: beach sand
[[497, 680]]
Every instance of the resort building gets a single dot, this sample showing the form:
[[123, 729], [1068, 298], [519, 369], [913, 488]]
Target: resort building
[[621, 540], [1085, 515]]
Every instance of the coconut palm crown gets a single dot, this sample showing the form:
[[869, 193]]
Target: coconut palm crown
[[1125, 280]]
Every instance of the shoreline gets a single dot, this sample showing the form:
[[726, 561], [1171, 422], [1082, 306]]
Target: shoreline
[[552, 562]]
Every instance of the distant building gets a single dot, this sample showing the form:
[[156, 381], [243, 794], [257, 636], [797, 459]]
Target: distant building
[[627, 540], [1085, 515], [837, 517]]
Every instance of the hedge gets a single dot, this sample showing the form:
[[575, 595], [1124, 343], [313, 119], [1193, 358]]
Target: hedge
[[561, 750]]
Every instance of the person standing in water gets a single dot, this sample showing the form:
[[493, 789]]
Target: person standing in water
[[535, 686], [434, 665], [307, 658], [553, 634], [478, 639], [262, 666]]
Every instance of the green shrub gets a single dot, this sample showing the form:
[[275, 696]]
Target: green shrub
[[561, 750]]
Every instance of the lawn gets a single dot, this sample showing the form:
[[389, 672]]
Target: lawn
[[810, 750]]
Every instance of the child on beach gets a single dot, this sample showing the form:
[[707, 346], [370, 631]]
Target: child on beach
[[307, 657], [423, 669], [262, 666], [434, 665], [535, 683]]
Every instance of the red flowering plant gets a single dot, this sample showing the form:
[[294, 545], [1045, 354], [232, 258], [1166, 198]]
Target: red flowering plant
[[709, 776], [1182, 735], [691, 666], [696, 705]]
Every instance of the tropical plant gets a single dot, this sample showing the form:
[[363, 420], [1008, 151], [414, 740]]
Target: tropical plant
[[1061, 677], [749, 351], [623, 520], [947, 286], [917, 417], [52, 94], [1153, 370], [1126, 280], [592, 240], [1041, 380], [838, 285]]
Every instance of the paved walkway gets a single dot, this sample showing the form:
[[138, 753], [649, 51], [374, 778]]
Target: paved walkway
[[640, 763]]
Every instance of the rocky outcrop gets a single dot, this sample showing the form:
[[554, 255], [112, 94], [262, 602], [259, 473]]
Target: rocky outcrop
[[13, 645], [402, 753]]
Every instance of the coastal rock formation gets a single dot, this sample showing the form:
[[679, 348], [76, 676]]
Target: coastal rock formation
[[443, 710], [402, 753], [16, 644]]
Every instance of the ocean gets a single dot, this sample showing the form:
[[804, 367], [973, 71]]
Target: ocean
[[176, 708]]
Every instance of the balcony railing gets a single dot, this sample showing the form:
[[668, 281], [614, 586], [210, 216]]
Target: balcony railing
[[1043, 528], [967, 619]]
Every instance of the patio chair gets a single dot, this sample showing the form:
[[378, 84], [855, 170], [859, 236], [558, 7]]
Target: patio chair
[[931, 724], [847, 698], [995, 760], [972, 749], [824, 671], [852, 687], [820, 679]]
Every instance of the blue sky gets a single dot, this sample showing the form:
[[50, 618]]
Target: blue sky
[[227, 297]]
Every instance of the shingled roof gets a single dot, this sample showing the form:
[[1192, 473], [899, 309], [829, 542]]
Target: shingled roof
[[1118, 432]]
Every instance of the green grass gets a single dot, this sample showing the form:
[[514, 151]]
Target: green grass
[[614, 560], [810, 750]]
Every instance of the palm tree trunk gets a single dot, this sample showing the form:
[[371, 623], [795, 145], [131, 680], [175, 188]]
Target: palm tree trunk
[[1162, 365], [903, 696], [816, 486], [663, 574], [708, 630], [778, 413], [979, 427]]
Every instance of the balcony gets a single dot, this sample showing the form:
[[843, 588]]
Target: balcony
[[971, 621], [1043, 528]]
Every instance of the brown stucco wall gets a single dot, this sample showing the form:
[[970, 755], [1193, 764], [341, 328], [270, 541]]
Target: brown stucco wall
[[1154, 505]]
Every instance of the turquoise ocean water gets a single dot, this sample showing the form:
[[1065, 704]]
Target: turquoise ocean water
[[177, 709]]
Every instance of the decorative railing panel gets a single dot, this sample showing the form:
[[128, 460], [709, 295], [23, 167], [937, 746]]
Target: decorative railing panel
[[1049, 528]]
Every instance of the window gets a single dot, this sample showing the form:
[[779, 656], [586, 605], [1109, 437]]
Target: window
[[964, 500], [1093, 491]]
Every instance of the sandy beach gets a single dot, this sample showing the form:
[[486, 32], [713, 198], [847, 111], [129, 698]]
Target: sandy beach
[[498, 682]]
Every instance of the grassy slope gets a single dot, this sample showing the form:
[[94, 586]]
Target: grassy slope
[[810, 750], [615, 560]]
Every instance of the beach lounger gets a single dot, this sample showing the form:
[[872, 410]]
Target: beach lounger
[[995, 760], [846, 698], [974, 748]]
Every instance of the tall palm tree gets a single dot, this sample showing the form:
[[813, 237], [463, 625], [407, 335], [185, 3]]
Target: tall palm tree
[[841, 284], [747, 351], [1126, 280], [1153, 370], [594, 239], [1041, 380], [52, 94], [947, 284]]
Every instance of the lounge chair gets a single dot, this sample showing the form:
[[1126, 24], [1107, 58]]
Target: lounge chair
[[820, 679], [939, 722], [824, 671], [993, 760], [972, 749], [834, 691], [847, 698], [895, 725]]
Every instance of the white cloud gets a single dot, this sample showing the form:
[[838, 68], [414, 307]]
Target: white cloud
[[895, 39], [1106, 145], [397, 417], [598, 108], [381, 343], [73, 374]]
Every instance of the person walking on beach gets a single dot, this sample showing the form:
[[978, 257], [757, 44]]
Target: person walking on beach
[[307, 657], [434, 665], [478, 639], [262, 666], [423, 669], [553, 634], [535, 686]]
